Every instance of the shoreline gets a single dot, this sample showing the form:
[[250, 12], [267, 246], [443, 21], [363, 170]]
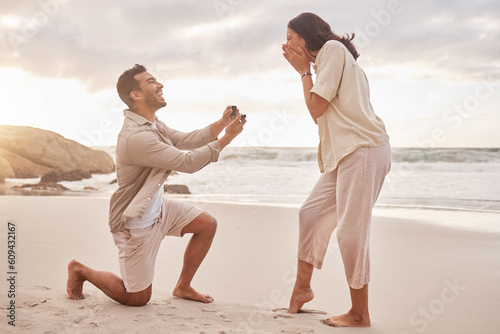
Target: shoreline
[[489, 222]]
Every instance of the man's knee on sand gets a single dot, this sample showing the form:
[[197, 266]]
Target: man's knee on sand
[[140, 298]]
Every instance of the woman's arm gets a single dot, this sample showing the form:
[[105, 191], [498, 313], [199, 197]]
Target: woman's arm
[[315, 103], [299, 61]]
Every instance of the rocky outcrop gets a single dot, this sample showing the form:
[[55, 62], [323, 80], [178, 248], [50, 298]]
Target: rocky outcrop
[[32, 152], [176, 189], [51, 186], [22, 167], [6, 170], [60, 175]]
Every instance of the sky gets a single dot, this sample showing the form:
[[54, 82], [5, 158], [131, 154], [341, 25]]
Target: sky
[[433, 66]]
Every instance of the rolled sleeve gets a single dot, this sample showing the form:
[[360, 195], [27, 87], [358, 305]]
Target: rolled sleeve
[[145, 149], [191, 140], [329, 69]]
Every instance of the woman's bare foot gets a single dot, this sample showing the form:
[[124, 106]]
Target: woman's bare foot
[[348, 320], [74, 286], [298, 299], [191, 294]]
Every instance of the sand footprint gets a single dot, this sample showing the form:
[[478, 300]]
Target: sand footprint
[[287, 315], [33, 303]]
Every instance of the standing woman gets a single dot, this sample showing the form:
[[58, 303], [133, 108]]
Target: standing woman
[[354, 157]]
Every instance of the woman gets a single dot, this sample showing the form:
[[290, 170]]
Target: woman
[[354, 157]]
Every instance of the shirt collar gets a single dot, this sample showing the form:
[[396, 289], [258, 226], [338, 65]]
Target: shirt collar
[[318, 56], [135, 117]]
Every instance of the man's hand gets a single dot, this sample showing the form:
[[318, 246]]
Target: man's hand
[[221, 124], [226, 116], [233, 129]]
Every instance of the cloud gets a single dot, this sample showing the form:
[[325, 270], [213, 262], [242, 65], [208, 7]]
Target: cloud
[[455, 39], [94, 42]]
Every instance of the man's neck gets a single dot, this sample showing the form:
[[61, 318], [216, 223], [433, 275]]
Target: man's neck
[[148, 114]]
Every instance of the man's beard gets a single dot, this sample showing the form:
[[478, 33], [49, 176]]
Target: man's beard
[[152, 101]]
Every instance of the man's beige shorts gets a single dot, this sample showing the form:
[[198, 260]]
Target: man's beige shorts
[[138, 248]]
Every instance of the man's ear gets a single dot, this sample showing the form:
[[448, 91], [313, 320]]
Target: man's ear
[[135, 95]]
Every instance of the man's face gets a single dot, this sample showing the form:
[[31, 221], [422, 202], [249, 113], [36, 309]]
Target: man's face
[[151, 90]]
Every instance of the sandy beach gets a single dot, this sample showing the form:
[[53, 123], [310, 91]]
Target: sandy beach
[[427, 277]]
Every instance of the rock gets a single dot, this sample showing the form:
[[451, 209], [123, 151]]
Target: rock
[[176, 189], [22, 167], [59, 175], [114, 181], [6, 170], [89, 188], [44, 186], [33, 152]]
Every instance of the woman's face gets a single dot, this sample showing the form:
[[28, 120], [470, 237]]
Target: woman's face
[[293, 40]]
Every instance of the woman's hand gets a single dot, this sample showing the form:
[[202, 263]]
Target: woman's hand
[[298, 60], [315, 103]]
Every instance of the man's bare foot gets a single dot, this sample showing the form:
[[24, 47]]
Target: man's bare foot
[[75, 282], [191, 294], [298, 299], [348, 320]]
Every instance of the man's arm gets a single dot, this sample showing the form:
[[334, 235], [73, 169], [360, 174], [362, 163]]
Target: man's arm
[[146, 149], [198, 138], [217, 127], [233, 129], [190, 140]]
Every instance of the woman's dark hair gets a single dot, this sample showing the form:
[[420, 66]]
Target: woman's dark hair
[[316, 32], [127, 84]]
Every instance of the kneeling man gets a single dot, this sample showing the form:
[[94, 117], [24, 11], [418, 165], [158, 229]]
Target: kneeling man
[[140, 217]]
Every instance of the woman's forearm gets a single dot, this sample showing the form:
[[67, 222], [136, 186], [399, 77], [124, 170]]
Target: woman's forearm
[[315, 103], [307, 85]]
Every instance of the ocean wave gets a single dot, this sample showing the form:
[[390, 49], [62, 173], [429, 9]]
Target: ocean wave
[[399, 155], [290, 154], [450, 155]]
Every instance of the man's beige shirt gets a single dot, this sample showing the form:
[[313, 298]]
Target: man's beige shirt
[[349, 121], [145, 156]]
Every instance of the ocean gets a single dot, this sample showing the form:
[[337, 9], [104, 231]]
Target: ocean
[[458, 179], [437, 178]]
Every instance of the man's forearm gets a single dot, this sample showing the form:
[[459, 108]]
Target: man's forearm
[[216, 128], [224, 141]]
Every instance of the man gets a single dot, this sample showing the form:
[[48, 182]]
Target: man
[[146, 152]]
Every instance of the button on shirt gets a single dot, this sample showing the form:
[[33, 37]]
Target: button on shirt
[[349, 121], [146, 153]]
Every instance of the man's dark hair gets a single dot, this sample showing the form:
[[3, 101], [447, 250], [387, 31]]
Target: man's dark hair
[[316, 32], [127, 84]]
